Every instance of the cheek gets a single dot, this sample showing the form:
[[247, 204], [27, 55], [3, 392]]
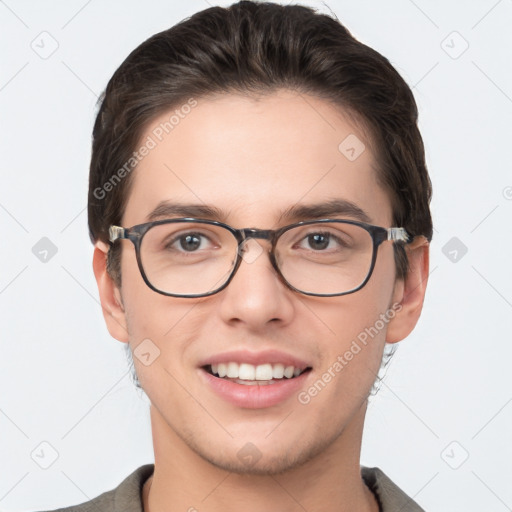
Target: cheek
[[359, 323], [163, 331], [154, 321], [373, 304], [354, 313]]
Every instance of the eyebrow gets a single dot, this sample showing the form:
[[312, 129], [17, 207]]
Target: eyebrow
[[296, 213], [328, 209]]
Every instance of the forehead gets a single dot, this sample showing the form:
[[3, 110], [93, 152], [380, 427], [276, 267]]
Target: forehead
[[254, 157]]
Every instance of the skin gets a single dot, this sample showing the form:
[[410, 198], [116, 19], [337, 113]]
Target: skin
[[253, 158]]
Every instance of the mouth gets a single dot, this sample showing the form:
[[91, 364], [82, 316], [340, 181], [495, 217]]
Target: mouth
[[255, 380], [255, 386], [255, 375]]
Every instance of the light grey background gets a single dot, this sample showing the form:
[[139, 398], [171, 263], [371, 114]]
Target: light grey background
[[440, 425]]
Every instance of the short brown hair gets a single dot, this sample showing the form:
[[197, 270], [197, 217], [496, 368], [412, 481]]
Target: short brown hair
[[257, 48]]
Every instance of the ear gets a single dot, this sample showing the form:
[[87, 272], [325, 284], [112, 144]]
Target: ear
[[110, 295], [410, 291]]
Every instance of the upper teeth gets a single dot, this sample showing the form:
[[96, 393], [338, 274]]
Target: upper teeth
[[247, 371]]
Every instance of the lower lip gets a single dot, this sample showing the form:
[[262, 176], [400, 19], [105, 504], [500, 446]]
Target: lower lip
[[255, 396]]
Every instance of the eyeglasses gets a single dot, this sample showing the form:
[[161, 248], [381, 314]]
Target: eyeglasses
[[190, 257]]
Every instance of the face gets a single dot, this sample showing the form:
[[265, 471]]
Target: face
[[252, 159]]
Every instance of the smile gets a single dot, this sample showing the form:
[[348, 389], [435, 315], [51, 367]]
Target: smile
[[249, 374], [258, 384]]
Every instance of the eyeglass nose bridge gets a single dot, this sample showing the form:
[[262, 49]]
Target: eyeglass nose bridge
[[258, 234], [262, 234], [244, 235], [247, 234]]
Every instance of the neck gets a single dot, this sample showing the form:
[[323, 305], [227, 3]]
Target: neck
[[329, 482]]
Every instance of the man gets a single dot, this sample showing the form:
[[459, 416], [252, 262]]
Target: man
[[259, 205]]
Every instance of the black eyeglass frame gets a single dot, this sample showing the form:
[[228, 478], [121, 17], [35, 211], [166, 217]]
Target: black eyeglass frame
[[378, 234]]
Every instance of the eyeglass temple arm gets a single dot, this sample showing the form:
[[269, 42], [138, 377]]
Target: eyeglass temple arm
[[399, 235], [116, 233]]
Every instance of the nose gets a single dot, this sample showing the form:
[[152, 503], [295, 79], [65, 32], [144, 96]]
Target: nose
[[256, 296]]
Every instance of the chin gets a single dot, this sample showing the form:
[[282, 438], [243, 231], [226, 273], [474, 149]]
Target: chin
[[272, 460]]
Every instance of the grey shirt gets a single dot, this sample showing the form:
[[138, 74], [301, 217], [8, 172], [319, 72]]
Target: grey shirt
[[127, 496]]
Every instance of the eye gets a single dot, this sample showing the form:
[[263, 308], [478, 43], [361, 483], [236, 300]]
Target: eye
[[320, 241], [188, 242]]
